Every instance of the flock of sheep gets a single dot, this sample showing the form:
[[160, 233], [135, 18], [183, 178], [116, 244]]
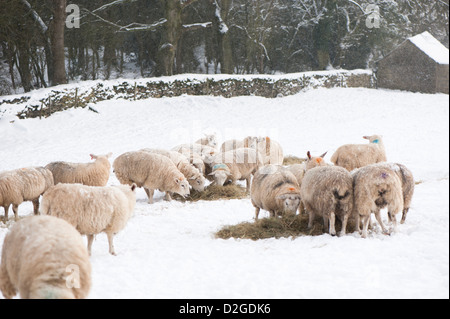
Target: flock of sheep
[[40, 250]]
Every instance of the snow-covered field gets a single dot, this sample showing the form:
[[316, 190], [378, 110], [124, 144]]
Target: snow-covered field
[[168, 249]]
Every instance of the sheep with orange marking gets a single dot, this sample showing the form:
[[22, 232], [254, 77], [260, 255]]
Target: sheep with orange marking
[[299, 170], [276, 190], [150, 171]]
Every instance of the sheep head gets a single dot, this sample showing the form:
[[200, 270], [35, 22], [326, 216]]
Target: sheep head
[[289, 200], [182, 186], [221, 174], [197, 182]]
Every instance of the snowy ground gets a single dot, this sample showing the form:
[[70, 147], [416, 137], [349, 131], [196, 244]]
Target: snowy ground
[[168, 249]]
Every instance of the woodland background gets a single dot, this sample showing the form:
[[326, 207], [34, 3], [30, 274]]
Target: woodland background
[[145, 38]]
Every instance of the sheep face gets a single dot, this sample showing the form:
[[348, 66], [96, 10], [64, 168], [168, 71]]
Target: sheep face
[[289, 202], [197, 183], [182, 187], [220, 176]]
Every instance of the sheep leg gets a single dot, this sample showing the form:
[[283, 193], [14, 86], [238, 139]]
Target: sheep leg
[[378, 218], [6, 212], [36, 206], [257, 209], [358, 223], [111, 244], [365, 220], [344, 225], [149, 195], [248, 184], [332, 219], [394, 221], [90, 239], [311, 219], [405, 211], [16, 212], [167, 197]]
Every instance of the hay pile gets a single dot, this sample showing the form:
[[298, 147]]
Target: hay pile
[[214, 192], [277, 227]]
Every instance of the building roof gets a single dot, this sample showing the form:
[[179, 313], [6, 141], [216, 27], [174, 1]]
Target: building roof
[[431, 47]]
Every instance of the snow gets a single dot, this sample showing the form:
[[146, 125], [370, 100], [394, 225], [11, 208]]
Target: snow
[[168, 249], [431, 47]]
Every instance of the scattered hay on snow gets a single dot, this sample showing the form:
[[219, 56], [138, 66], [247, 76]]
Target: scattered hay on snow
[[278, 227], [215, 192]]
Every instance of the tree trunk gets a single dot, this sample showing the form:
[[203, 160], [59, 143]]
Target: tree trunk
[[171, 35], [56, 34]]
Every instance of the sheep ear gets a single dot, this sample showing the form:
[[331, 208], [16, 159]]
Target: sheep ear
[[177, 181], [133, 186], [93, 156], [308, 154], [323, 155], [366, 137]]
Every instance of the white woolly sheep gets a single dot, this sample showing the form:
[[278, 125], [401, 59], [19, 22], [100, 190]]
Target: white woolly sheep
[[351, 156], [150, 171], [192, 174], [271, 151], [375, 187], [90, 174], [235, 165], [44, 257], [91, 209], [276, 190], [21, 185], [328, 191], [209, 140], [299, 170]]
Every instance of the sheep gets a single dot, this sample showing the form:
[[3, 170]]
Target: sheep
[[233, 144], [270, 150], [376, 186], [299, 170], [209, 140], [276, 190], [235, 165], [194, 158], [44, 257], [91, 209], [192, 174], [351, 156], [311, 161], [328, 191], [206, 152], [90, 174], [150, 171], [21, 185]]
